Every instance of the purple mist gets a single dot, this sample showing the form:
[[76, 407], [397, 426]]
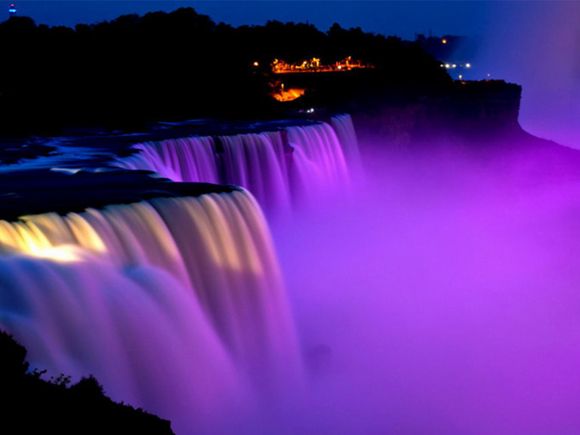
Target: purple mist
[[441, 300], [440, 297]]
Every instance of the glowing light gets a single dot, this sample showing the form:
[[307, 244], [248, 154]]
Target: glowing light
[[63, 254], [68, 238], [314, 65], [28, 238], [444, 41], [447, 65], [460, 76], [287, 94], [256, 64], [467, 65]]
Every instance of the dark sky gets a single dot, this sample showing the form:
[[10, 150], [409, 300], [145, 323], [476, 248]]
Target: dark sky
[[389, 17]]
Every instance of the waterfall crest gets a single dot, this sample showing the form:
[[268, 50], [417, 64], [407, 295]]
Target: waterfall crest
[[281, 168]]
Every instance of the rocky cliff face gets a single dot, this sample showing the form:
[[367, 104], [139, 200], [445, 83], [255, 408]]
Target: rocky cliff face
[[31, 404], [469, 111], [476, 120]]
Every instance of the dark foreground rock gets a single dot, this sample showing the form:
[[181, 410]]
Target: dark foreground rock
[[32, 405]]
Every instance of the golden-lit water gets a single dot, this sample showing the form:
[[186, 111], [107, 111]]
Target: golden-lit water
[[100, 274]]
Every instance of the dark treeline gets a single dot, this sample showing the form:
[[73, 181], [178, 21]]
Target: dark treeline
[[174, 65], [31, 405]]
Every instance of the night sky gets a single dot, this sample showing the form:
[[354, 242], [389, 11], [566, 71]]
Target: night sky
[[389, 17]]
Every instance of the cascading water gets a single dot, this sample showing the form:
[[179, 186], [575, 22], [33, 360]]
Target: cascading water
[[185, 159], [174, 304], [299, 164], [258, 162], [320, 169], [344, 128]]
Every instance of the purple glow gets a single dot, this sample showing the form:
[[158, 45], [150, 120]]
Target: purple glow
[[306, 169], [177, 305], [448, 299], [442, 297]]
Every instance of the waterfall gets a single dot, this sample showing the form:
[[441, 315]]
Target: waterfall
[[175, 304], [257, 162], [186, 159], [344, 128], [319, 167], [280, 168]]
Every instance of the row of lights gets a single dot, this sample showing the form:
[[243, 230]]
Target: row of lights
[[454, 65]]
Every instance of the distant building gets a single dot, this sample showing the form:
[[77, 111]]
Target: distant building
[[12, 10]]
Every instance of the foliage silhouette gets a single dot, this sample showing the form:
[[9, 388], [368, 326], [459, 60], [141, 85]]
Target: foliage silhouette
[[31, 405], [178, 65]]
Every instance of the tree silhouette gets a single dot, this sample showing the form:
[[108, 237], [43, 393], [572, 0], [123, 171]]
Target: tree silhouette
[[29, 404], [170, 66]]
